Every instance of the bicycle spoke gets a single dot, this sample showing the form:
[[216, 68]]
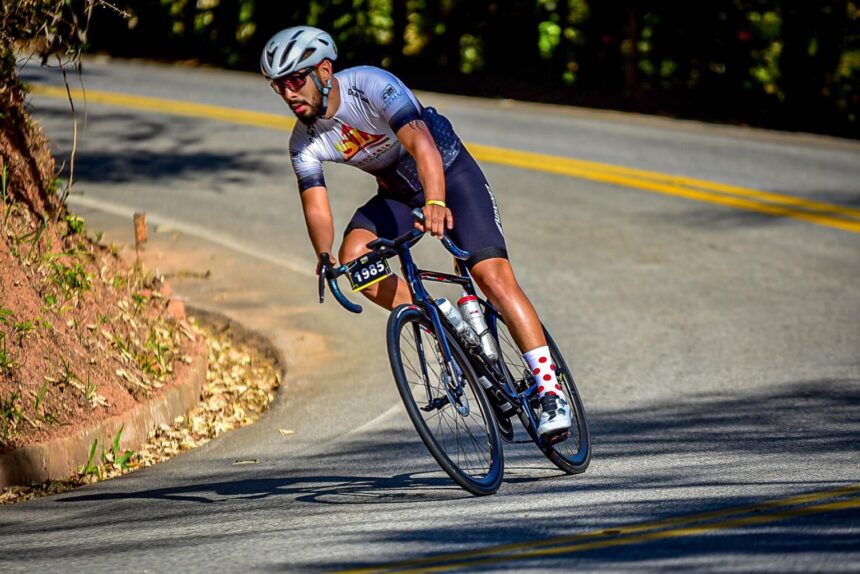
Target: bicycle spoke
[[451, 418]]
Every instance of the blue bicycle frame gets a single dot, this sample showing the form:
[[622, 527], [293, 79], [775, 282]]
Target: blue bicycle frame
[[500, 377]]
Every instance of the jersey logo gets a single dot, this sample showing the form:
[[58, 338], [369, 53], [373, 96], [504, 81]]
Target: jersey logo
[[387, 92], [356, 93], [354, 140]]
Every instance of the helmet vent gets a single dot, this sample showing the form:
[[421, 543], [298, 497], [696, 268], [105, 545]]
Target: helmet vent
[[286, 52]]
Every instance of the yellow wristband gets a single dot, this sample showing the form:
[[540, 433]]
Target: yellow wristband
[[436, 202]]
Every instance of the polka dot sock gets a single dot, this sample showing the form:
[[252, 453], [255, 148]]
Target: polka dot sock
[[543, 371]]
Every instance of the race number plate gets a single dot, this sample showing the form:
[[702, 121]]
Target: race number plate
[[367, 270]]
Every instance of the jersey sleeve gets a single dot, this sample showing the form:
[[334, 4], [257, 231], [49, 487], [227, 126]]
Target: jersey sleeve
[[308, 167], [395, 101]]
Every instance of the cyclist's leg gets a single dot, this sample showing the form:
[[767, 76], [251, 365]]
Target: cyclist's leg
[[379, 217], [496, 279], [478, 229]]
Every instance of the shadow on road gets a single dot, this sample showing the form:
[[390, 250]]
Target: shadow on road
[[135, 148], [675, 458]]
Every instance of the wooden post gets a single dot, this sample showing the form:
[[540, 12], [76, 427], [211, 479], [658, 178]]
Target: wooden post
[[139, 233]]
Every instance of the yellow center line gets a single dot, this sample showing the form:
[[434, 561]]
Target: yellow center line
[[172, 107], [774, 204], [631, 534], [580, 168]]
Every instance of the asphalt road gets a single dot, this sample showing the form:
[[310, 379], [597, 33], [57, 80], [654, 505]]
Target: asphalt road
[[716, 345]]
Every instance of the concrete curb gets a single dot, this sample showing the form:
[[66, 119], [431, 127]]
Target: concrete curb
[[62, 457]]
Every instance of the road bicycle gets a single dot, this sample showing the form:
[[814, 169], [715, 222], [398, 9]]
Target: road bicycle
[[460, 402]]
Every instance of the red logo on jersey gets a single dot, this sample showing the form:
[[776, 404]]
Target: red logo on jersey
[[354, 140]]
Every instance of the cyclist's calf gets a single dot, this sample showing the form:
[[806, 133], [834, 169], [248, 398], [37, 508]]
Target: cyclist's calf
[[496, 279]]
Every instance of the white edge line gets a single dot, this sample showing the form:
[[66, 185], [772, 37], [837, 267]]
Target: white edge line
[[296, 266]]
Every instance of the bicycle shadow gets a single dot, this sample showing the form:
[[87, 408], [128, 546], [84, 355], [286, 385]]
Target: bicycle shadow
[[306, 485]]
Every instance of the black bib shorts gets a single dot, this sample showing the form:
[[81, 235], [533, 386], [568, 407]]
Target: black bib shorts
[[477, 223]]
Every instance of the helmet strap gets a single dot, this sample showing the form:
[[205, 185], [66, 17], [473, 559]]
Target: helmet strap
[[324, 90]]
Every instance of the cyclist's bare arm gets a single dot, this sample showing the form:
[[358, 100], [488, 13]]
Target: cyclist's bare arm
[[319, 220], [417, 140]]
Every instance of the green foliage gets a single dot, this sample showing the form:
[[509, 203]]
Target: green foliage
[[120, 458], [115, 457], [40, 397], [745, 60], [71, 279], [7, 361], [4, 195], [76, 225], [10, 415], [21, 330], [91, 468]]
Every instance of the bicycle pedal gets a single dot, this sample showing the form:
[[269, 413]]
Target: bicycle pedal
[[560, 437]]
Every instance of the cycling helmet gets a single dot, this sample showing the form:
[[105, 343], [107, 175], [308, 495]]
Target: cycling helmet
[[295, 49]]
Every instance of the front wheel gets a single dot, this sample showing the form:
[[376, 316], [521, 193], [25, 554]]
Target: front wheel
[[452, 417], [573, 454]]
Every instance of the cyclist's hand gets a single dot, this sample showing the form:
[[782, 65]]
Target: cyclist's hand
[[437, 219], [331, 260]]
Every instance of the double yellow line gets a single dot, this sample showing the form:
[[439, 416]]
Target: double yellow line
[[774, 204], [843, 498]]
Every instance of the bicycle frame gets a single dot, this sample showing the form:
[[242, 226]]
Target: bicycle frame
[[499, 377]]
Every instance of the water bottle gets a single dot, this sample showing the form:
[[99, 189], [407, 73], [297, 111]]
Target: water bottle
[[471, 311], [460, 326]]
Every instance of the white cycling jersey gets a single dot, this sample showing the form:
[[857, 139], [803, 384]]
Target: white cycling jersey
[[374, 105]]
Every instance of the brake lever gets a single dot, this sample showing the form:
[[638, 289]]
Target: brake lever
[[324, 271]]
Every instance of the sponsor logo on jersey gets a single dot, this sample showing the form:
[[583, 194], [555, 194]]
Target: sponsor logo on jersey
[[354, 140], [375, 153], [388, 92], [356, 93]]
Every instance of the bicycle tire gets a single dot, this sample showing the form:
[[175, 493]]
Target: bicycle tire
[[573, 455], [474, 461]]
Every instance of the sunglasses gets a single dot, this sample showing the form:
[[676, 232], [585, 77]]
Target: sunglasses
[[293, 82]]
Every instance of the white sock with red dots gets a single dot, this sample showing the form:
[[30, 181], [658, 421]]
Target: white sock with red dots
[[543, 371]]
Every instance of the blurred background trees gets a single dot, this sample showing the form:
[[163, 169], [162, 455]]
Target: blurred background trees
[[777, 63]]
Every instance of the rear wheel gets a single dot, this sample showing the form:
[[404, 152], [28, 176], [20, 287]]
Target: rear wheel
[[453, 418], [573, 454]]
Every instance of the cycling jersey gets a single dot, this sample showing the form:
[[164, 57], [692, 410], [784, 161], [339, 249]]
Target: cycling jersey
[[374, 105]]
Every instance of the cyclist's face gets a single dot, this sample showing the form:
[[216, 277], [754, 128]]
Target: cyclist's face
[[301, 94]]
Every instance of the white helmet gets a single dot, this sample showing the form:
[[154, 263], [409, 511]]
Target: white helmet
[[295, 49]]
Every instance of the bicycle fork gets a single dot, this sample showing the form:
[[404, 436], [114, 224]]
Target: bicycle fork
[[451, 373]]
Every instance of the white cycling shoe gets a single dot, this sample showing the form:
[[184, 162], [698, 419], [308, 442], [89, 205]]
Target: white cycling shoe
[[555, 415]]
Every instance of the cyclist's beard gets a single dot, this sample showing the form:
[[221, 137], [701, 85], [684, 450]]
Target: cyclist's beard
[[312, 108]]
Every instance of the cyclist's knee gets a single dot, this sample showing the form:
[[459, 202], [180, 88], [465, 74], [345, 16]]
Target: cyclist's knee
[[355, 245], [496, 279]]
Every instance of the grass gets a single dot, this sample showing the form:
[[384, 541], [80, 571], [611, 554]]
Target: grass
[[7, 361], [21, 330], [47, 416], [70, 279], [4, 195], [10, 415], [76, 225], [116, 458]]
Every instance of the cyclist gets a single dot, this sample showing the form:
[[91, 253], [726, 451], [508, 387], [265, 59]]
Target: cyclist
[[365, 117]]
